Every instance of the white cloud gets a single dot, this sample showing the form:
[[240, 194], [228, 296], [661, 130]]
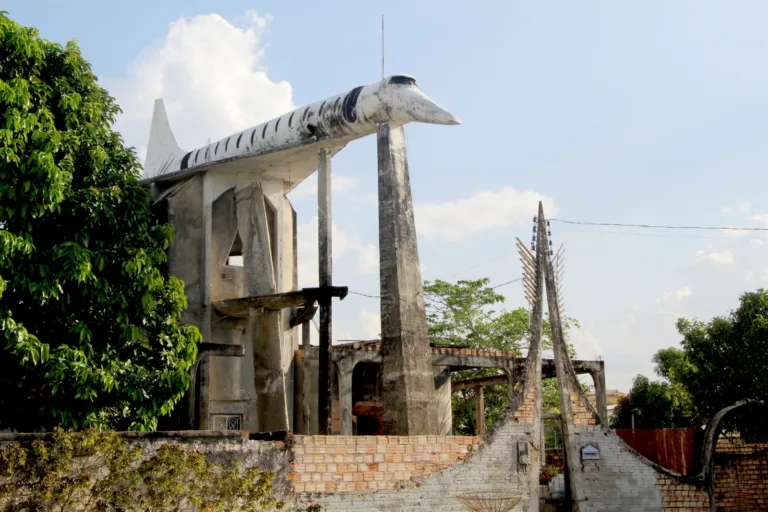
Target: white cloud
[[371, 323], [675, 296], [209, 72], [345, 247], [749, 275], [761, 219], [481, 211], [765, 273], [756, 242], [718, 258], [739, 208], [308, 187]]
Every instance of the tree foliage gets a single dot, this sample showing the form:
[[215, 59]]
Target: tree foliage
[[466, 314], [726, 360], [99, 471], [88, 323], [656, 404], [721, 362]]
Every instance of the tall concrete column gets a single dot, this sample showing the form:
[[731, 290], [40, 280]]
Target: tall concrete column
[[264, 327], [408, 389], [325, 278]]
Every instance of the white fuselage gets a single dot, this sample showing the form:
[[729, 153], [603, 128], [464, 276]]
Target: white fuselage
[[343, 117]]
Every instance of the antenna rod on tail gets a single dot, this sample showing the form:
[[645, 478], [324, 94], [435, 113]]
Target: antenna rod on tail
[[382, 46]]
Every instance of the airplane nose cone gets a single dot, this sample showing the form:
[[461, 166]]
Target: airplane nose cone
[[417, 106], [442, 116], [433, 113]]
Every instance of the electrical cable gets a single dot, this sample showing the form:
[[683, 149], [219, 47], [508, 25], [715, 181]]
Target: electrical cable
[[655, 226]]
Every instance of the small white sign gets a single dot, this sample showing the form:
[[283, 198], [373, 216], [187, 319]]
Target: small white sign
[[589, 452]]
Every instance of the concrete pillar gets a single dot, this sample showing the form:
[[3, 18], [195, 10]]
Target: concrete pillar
[[443, 403], [325, 268], [479, 411], [204, 416], [601, 399], [264, 327], [408, 389], [345, 398]]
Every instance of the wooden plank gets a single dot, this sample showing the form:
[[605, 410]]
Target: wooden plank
[[240, 307]]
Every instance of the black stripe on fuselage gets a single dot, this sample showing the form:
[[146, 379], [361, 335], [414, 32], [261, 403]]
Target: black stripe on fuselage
[[350, 104], [185, 161]]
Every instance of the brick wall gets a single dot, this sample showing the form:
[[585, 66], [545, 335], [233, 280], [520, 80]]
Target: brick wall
[[741, 475], [418, 473], [582, 414], [344, 464], [679, 497]]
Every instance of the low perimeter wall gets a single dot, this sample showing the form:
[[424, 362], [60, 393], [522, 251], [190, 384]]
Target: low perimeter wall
[[428, 472]]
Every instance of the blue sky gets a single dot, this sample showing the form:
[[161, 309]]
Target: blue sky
[[629, 112]]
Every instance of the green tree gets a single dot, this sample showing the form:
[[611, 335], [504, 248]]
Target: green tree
[[726, 360], [466, 314], [88, 322]]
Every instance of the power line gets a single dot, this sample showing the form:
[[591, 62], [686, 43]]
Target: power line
[[364, 295], [629, 233], [508, 282], [655, 226], [378, 297]]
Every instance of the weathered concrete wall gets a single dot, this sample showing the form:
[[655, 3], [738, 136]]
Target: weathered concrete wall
[[220, 447], [230, 380], [185, 255], [207, 212]]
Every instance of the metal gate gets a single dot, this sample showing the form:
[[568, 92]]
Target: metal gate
[[553, 478]]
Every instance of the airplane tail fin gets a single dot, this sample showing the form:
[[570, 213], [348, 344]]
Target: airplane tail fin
[[162, 148]]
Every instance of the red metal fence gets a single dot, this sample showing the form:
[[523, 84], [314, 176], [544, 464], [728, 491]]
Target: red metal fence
[[672, 448]]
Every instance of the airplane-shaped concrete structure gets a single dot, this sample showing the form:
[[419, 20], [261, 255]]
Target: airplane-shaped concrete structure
[[286, 147], [235, 249]]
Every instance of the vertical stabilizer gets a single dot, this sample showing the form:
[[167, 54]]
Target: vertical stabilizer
[[162, 149]]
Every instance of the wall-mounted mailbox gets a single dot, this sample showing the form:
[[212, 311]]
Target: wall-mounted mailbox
[[590, 452], [522, 453]]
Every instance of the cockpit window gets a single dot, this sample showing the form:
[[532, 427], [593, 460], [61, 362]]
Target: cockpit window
[[402, 80]]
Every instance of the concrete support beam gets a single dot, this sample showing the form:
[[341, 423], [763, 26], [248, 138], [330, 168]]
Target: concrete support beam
[[325, 269], [482, 381], [407, 379], [264, 326]]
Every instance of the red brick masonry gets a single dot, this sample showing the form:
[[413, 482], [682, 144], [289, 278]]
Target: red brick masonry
[[343, 464]]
